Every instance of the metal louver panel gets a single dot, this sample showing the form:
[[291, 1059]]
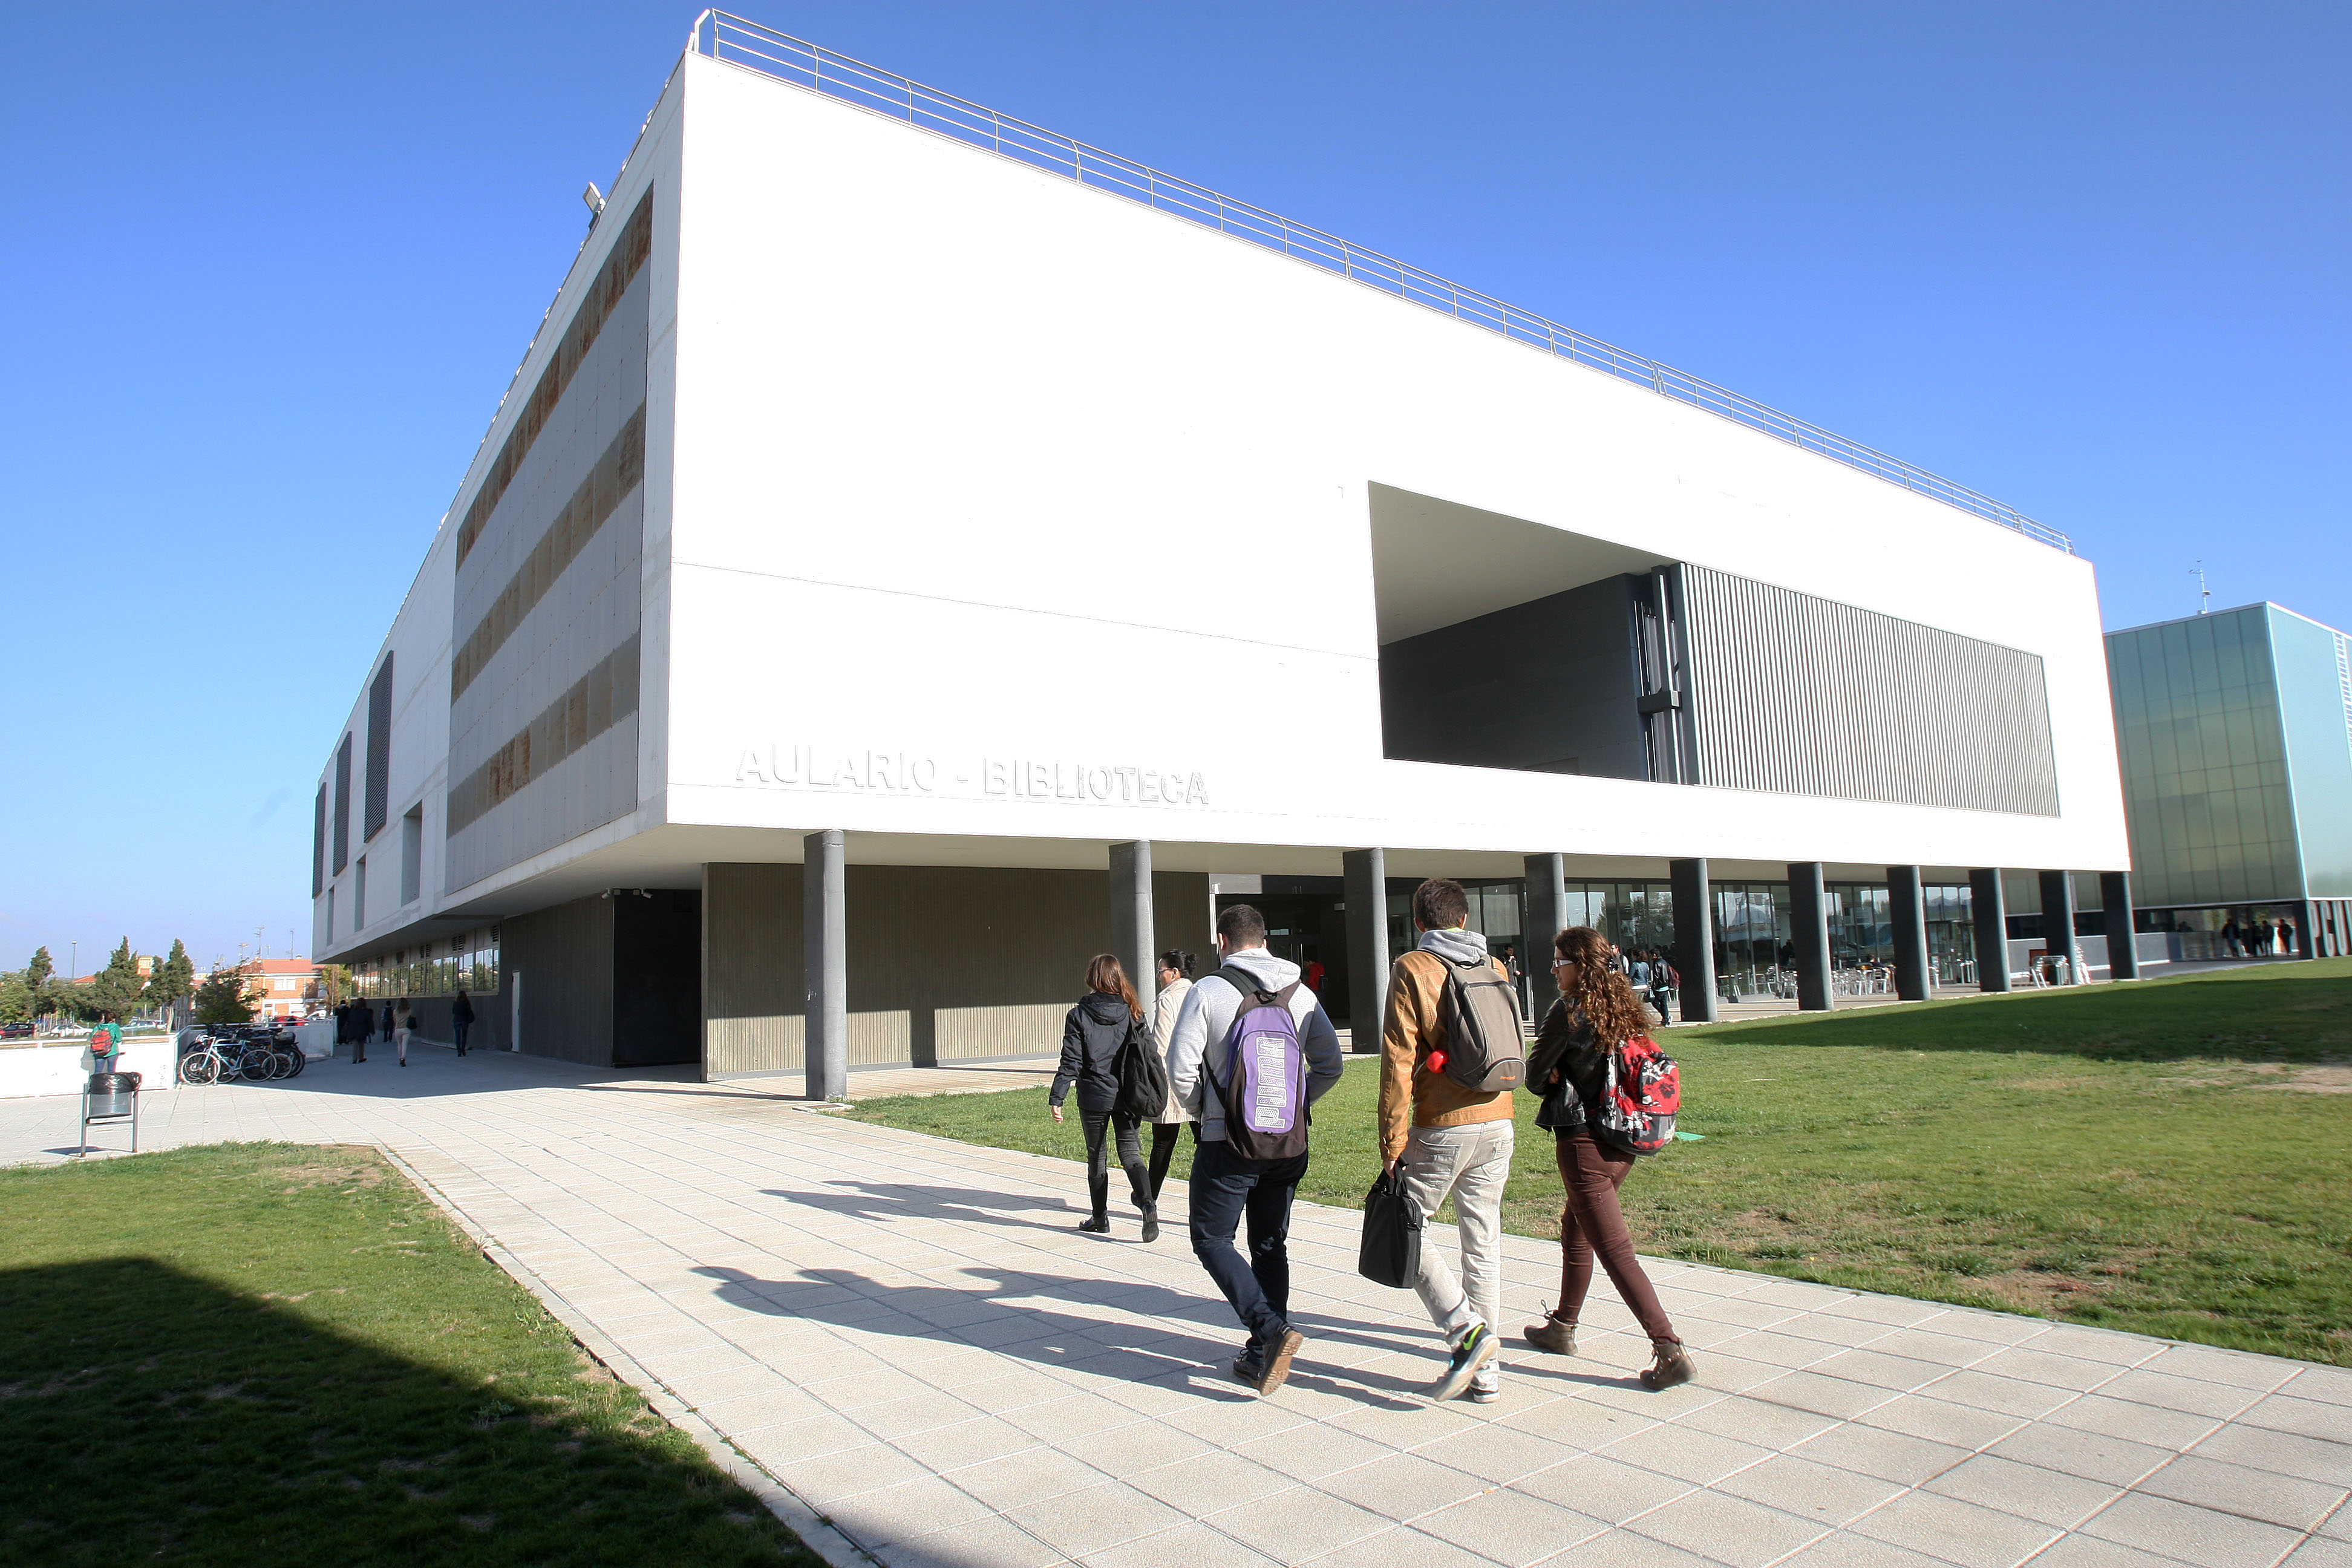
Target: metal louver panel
[[1800, 695], [379, 752]]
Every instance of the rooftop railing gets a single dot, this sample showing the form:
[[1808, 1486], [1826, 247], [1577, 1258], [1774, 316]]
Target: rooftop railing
[[725, 36]]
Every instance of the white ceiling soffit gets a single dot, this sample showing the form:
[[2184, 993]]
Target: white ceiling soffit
[[1437, 562]]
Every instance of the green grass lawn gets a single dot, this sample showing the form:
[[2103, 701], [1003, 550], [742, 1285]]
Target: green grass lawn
[[2172, 1157], [258, 1354]]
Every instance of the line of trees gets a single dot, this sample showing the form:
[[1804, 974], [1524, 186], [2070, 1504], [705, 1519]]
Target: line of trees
[[118, 990]]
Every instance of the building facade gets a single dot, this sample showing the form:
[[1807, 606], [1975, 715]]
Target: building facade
[[2235, 731], [919, 552]]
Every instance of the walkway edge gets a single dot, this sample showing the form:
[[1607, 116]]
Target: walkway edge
[[816, 1533]]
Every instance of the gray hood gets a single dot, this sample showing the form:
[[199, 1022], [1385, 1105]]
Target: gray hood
[[1272, 973], [1461, 946]]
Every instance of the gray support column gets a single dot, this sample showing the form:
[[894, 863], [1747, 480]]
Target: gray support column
[[2123, 944], [1130, 918], [2058, 923], [1547, 913], [1989, 907], [2307, 925], [824, 962], [1913, 980], [1809, 922], [1694, 938], [1366, 895]]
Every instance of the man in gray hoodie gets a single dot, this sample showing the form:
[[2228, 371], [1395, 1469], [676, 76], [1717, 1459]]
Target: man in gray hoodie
[[1226, 1187]]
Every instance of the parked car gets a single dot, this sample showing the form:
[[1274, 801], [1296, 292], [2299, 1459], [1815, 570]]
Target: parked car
[[15, 1031]]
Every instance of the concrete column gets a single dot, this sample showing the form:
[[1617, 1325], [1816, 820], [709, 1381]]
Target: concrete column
[[1989, 907], [1367, 894], [1130, 918], [1694, 938], [1914, 980], [1547, 913], [825, 962], [2123, 945], [2306, 922], [2058, 923], [1809, 922]]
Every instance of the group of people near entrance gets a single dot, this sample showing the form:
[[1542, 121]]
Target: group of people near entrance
[[1248, 1049], [356, 1024]]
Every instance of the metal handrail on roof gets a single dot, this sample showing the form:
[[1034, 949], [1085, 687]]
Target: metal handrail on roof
[[723, 35]]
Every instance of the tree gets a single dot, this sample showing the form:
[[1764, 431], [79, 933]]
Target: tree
[[114, 991], [221, 999], [174, 978], [334, 983], [37, 973], [16, 997]]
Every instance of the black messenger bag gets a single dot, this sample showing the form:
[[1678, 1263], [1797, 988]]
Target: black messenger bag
[[1391, 1254]]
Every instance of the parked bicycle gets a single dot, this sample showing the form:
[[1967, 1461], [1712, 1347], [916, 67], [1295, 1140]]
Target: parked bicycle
[[233, 1051]]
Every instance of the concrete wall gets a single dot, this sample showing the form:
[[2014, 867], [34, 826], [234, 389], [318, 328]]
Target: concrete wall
[[1549, 685], [1155, 393], [945, 963]]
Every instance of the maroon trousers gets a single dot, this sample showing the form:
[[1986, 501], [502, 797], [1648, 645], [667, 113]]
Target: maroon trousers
[[1593, 1222]]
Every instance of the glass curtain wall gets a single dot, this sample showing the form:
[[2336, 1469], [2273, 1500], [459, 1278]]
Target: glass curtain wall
[[468, 963]]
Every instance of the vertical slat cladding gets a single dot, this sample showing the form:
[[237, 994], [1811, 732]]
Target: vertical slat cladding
[[319, 843], [1800, 695], [379, 752], [343, 803]]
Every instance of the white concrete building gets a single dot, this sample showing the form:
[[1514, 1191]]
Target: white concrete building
[[888, 468]]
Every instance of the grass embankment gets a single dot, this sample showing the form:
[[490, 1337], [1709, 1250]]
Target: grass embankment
[[259, 1354], [2172, 1157]]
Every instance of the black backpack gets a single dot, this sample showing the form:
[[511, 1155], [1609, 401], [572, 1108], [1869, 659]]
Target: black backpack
[[1142, 1076], [1485, 1042]]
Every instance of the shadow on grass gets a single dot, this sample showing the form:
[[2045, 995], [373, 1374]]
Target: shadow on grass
[[2271, 1013], [153, 1415]]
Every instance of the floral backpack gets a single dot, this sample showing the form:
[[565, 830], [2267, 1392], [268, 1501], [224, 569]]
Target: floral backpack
[[1639, 1099]]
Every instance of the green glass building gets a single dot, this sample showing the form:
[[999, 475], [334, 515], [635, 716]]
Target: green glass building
[[2235, 735]]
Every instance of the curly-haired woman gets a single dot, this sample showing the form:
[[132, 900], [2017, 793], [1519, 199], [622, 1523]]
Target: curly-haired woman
[[1597, 1011]]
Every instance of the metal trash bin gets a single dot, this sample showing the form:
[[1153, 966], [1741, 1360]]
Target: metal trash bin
[[110, 1096]]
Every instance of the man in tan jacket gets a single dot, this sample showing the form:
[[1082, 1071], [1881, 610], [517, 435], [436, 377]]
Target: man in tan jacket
[[1449, 1139]]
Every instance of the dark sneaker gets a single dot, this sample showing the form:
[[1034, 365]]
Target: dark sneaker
[[1247, 1369], [1098, 1226], [1555, 1334], [1470, 1358], [1276, 1366], [1152, 1224], [1674, 1365]]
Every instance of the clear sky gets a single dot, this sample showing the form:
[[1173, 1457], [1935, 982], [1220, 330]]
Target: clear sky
[[270, 268]]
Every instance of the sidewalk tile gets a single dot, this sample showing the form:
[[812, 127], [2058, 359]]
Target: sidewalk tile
[[1955, 1530], [2192, 1534], [1100, 1517], [1512, 1528], [1728, 1530], [2047, 1497], [1823, 1493], [2249, 1493]]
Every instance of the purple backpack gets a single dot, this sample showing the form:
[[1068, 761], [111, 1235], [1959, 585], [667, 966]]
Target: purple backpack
[[1264, 1092]]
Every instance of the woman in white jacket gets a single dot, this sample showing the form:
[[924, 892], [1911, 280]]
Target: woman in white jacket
[[1175, 980]]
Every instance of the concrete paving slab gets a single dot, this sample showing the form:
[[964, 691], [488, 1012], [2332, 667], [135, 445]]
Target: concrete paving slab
[[909, 1334]]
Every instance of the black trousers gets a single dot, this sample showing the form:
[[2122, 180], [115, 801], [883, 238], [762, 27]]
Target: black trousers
[[1099, 1125], [1163, 1148], [1226, 1190]]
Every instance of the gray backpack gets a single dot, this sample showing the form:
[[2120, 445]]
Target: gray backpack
[[1486, 1045]]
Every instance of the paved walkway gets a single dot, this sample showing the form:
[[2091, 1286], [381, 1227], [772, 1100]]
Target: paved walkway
[[908, 1334]]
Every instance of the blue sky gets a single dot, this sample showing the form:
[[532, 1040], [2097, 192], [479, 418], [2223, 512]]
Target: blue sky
[[274, 264]]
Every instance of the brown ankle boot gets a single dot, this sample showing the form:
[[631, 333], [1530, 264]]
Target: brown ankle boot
[[1674, 1365], [1555, 1334]]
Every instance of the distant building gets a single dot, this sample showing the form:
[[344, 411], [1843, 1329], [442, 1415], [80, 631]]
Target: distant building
[[2235, 733]]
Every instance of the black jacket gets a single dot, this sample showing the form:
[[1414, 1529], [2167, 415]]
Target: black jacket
[[1091, 1038], [1565, 1045], [461, 1011]]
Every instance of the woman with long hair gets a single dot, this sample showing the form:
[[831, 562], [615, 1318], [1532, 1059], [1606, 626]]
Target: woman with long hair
[[1597, 1012], [1175, 981], [1091, 1038]]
